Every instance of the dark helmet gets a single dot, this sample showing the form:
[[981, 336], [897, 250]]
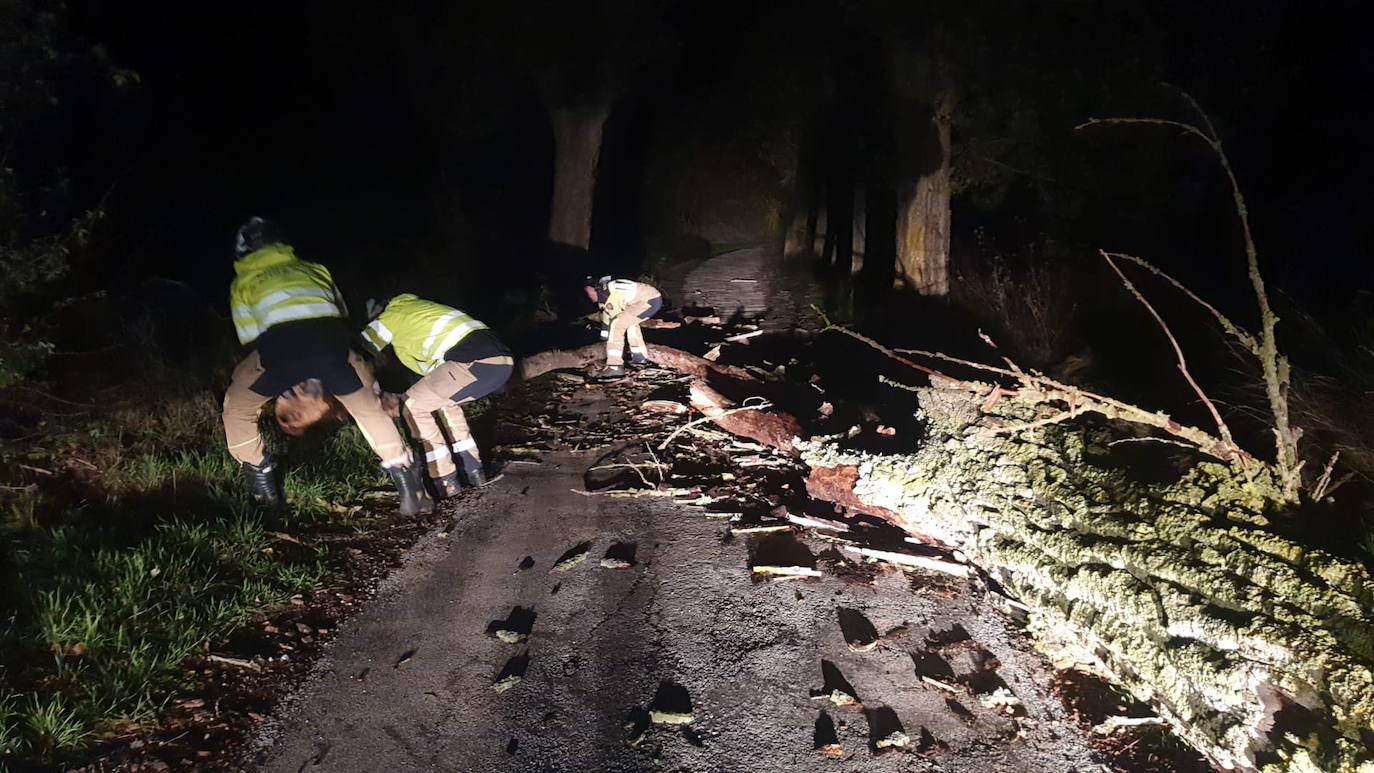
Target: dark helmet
[[254, 235]]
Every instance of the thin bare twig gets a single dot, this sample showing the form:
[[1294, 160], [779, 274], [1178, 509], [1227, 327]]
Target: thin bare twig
[[1163, 440], [1058, 418], [633, 493], [1222, 429], [633, 466], [987, 339], [1243, 336], [1320, 488], [891, 353]]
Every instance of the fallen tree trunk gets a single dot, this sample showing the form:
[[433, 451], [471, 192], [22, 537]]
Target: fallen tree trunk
[[583, 357], [772, 428], [1257, 650]]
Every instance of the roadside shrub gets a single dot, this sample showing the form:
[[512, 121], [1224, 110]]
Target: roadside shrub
[[1027, 308]]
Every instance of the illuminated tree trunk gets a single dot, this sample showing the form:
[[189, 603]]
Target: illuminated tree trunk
[[923, 217], [577, 135]]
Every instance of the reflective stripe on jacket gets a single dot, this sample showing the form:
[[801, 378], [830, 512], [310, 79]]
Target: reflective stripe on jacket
[[272, 286], [619, 294], [419, 331]]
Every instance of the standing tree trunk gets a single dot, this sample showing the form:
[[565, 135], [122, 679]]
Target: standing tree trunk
[[860, 231], [577, 147], [923, 218]]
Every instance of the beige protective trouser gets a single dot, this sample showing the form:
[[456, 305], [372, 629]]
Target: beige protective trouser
[[433, 395], [626, 325], [242, 406]]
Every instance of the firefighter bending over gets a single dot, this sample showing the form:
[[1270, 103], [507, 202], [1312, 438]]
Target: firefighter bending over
[[624, 304], [460, 360], [291, 320]]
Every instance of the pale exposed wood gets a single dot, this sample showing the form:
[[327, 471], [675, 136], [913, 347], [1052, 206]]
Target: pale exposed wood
[[906, 559]]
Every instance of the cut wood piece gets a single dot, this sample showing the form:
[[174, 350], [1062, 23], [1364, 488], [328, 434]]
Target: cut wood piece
[[787, 571], [906, 559], [692, 365], [759, 529], [818, 523], [536, 365], [743, 336], [836, 484], [943, 686], [771, 428], [664, 406], [236, 662]]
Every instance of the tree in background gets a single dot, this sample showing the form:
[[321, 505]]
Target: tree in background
[[936, 105], [472, 67]]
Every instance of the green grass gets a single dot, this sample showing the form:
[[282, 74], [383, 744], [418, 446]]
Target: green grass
[[110, 597]]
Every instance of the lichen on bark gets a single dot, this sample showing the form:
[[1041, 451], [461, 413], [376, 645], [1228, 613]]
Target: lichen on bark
[[1257, 649]]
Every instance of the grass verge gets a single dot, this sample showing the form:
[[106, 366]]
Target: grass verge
[[109, 580]]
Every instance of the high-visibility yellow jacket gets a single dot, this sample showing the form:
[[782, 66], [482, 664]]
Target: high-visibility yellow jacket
[[272, 286], [619, 294], [419, 331]]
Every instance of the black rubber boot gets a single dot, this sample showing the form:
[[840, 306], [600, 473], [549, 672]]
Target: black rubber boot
[[477, 477], [262, 484], [609, 373], [448, 486], [410, 487], [640, 361]]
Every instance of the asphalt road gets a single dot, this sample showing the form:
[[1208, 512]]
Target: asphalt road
[[410, 683]]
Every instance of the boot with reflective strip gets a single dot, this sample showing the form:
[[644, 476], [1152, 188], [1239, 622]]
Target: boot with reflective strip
[[609, 373], [448, 485], [262, 484], [410, 488]]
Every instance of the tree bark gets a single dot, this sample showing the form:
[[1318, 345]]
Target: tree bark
[[577, 135], [923, 217], [1256, 649]]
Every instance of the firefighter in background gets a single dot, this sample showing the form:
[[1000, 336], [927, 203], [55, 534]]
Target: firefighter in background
[[460, 360], [624, 304], [291, 320]]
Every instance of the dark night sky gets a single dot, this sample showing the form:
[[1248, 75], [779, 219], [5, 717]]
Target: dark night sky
[[310, 113]]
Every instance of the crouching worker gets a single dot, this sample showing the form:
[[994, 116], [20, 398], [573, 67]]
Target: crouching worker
[[291, 318], [624, 304], [460, 360]]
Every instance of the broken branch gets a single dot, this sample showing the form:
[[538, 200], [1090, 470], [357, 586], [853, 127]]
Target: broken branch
[[1222, 429], [1274, 365], [1235, 331]]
